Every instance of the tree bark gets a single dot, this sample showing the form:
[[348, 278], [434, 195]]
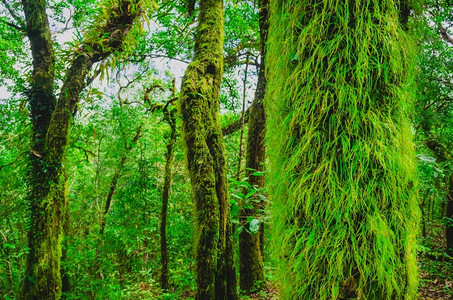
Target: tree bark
[[214, 270], [250, 244]]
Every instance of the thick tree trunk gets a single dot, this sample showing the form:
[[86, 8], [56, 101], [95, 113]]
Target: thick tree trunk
[[48, 179], [215, 272], [42, 271], [250, 244], [344, 206]]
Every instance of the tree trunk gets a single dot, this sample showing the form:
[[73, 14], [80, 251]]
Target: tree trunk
[[171, 120], [115, 178], [449, 216], [42, 271], [250, 244], [47, 178], [215, 271], [344, 206]]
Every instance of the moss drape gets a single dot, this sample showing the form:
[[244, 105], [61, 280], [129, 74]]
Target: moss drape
[[342, 178]]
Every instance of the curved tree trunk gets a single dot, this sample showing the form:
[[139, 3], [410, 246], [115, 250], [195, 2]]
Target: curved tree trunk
[[250, 244], [344, 206], [215, 271]]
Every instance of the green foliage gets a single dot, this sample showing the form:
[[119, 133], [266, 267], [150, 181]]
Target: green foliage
[[340, 103], [344, 204]]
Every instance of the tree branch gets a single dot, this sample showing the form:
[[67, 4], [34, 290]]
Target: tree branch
[[14, 15], [236, 125], [21, 29], [446, 37]]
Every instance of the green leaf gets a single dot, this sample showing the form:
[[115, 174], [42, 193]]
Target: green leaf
[[254, 226]]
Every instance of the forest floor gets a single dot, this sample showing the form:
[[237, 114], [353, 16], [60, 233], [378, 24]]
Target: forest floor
[[435, 268], [436, 279], [436, 282]]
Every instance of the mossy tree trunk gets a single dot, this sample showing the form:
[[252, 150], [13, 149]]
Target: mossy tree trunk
[[449, 216], [215, 271], [42, 275], [170, 117], [344, 205], [51, 120], [250, 244]]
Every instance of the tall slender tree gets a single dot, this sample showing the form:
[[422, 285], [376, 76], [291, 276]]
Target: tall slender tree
[[342, 178], [199, 102], [250, 251], [51, 120]]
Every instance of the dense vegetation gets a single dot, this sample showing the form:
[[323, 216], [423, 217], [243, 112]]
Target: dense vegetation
[[213, 149]]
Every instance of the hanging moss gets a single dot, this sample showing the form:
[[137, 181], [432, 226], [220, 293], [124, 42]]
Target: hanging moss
[[342, 181]]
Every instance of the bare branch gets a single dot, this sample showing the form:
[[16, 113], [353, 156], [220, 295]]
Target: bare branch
[[236, 125], [21, 29], [14, 15], [14, 161], [66, 27], [445, 34]]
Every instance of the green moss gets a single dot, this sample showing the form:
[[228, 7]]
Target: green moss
[[216, 277], [48, 182], [342, 178]]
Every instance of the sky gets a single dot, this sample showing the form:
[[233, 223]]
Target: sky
[[163, 65]]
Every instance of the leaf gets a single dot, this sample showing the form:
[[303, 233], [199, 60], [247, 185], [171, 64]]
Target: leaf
[[426, 158], [234, 210], [257, 173], [254, 226], [250, 194], [10, 246]]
